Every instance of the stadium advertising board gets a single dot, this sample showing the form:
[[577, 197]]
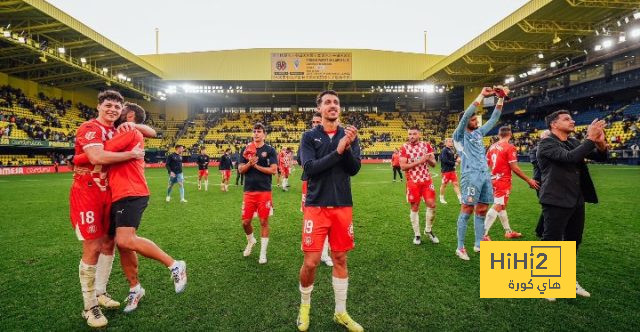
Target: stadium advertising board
[[31, 142], [28, 170], [311, 66]]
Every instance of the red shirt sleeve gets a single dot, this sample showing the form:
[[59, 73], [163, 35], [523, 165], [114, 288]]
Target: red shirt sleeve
[[403, 152], [81, 159], [121, 141], [89, 135], [511, 154], [429, 148]]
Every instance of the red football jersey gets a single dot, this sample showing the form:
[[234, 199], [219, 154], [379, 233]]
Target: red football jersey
[[395, 160], [414, 152], [127, 179], [91, 133], [283, 160], [499, 156]]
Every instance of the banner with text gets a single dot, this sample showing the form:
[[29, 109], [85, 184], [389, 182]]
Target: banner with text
[[311, 66]]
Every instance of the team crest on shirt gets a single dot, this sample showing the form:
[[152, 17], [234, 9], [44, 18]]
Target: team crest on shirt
[[264, 154], [90, 135], [92, 229], [307, 240]]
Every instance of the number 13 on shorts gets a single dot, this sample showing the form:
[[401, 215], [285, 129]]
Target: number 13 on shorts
[[471, 191]]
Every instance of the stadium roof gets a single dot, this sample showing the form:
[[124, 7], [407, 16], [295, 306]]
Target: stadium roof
[[255, 64], [43, 44], [538, 33]]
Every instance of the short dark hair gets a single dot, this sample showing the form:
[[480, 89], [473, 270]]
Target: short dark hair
[[504, 131], [259, 125], [141, 115], [112, 95], [551, 118], [179, 146], [322, 94], [227, 150], [203, 148], [317, 115]]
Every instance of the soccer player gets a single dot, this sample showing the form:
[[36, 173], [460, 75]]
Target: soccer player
[[537, 175], [477, 191], [225, 169], [448, 162], [325, 257], [90, 197], [290, 158], [258, 163], [283, 168], [236, 162], [105, 260], [502, 159], [279, 170], [174, 166], [130, 197], [395, 164], [203, 169], [284, 162], [415, 158], [330, 157]]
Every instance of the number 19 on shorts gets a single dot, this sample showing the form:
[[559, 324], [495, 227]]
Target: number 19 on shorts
[[308, 226]]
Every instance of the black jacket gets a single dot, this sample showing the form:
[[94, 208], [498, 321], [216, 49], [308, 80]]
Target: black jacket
[[534, 161], [565, 177], [329, 174], [225, 163], [174, 163], [447, 160]]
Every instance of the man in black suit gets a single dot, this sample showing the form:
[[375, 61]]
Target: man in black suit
[[566, 183], [538, 177]]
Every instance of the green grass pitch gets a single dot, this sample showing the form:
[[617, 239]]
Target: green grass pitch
[[394, 285]]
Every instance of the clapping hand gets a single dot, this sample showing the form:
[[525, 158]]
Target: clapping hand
[[595, 131], [351, 133]]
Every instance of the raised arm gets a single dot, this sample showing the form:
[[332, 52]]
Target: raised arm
[[117, 144], [146, 130], [493, 120], [549, 149], [97, 155], [468, 113]]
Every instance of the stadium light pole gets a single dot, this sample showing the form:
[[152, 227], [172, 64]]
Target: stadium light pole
[[157, 38], [425, 41]]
